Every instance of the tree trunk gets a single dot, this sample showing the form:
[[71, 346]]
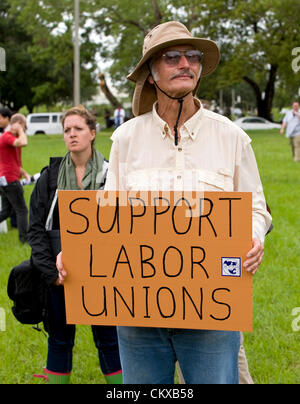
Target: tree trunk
[[106, 91], [264, 105], [157, 13], [270, 91]]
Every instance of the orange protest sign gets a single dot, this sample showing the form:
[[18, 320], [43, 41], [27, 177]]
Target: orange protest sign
[[157, 259]]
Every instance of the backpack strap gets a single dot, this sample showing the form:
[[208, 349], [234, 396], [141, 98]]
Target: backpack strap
[[49, 221]]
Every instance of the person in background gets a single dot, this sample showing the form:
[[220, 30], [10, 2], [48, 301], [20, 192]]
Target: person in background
[[11, 143], [82, 168], [291, 124], [119, 116], [108, 121], [5, 115]]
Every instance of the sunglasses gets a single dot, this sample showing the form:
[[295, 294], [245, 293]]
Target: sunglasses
[[173, 57]]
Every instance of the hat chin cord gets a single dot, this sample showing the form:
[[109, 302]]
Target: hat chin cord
[[180, 100]]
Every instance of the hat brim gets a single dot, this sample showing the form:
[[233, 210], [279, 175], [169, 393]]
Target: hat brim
[[211, 55]]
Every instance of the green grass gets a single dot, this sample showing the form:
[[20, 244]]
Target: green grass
[[23, 351], [272, 348]]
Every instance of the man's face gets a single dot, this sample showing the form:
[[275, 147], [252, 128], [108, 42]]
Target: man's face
[[295, 106], [4, 122], [179, 79]]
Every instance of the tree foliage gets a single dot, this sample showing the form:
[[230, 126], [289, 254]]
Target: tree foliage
[[39, 44], [256, 38], [17, 81]]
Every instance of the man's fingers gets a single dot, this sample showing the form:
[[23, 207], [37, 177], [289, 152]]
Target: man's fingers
[[257, 248], [60, 267], [254, 257], [253, 264]]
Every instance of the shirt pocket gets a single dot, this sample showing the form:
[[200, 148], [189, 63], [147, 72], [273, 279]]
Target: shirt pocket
[[220, 180]]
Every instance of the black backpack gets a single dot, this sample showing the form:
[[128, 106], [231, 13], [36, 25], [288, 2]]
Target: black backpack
[[26, 288], [29, 294]]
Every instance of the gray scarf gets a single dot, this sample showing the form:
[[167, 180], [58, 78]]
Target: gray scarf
[[92, 177]]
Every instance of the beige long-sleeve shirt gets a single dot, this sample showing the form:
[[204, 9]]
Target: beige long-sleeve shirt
[[213, 155]]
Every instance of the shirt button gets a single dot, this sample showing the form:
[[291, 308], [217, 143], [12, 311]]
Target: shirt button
[[179, 177], [180, 149]]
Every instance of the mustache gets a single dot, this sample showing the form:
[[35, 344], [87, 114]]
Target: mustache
[[182, 72]]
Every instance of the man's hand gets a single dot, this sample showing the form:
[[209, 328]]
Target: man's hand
[[25, 175], [62, 273], [254, 256], [21, 137]]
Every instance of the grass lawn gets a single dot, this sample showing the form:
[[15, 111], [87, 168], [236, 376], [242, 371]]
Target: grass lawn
[[272, 348]]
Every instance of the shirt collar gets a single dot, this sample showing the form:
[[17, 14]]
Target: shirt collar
[[189, 125]]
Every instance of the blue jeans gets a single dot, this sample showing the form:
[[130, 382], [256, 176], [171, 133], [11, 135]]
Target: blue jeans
[[148, 355], [61, 339]]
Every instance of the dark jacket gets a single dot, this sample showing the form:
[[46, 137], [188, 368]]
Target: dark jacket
[[42, 196], [42, 254]]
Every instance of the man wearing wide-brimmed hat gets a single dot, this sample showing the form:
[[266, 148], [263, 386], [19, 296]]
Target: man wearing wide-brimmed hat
[[173, 143]]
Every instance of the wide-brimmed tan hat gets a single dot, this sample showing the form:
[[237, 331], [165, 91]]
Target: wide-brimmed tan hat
[[163, 36]]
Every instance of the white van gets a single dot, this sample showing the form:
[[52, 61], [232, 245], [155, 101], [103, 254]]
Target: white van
[[48, 123]]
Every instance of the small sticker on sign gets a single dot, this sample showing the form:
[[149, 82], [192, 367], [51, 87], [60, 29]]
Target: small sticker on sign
[[231, 266]]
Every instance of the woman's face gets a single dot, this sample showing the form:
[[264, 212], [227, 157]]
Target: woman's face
[[77, 135]]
